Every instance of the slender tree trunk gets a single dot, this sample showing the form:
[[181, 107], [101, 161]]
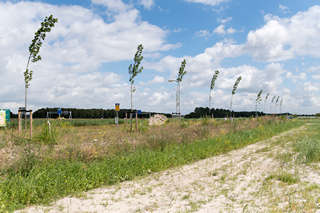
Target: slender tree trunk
[[131, 96], [179, 93], [25, 97], [256, 109], [231, 106], [25, 94], [25, 105], [210, 100], [210, 104], [178, 100]]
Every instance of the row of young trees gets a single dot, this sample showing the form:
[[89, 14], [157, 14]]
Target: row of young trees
[[134, 70], [276, 100], [34, 56]]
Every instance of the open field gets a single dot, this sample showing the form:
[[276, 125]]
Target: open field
[[76, 159], [281, 174], [72, 122]]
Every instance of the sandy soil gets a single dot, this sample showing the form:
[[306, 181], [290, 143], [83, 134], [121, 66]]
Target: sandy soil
[[234, 182]]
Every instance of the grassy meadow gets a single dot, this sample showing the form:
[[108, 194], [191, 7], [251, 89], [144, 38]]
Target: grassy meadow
[[78, 155]]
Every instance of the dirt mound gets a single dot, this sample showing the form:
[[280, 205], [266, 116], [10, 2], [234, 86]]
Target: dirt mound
[[157, 120]]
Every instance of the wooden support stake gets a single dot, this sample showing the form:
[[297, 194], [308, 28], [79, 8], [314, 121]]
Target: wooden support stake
[[19, 122], [136, 121], [130, 121], [30, 124]]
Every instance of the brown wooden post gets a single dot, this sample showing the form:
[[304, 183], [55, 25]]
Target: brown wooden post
[[125, 121], [136, 121], [130, 121], [19, 122], [30, 124]]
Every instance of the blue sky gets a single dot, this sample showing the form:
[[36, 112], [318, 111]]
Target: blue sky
[[272, 44]]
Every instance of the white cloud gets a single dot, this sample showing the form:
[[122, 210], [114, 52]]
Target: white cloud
[[222, 31], [147, 3], [200, 68], [70, 75], [285, 38], [314, 69], [279, 39], [203, 33], [316, 77], [296, 78], [115, 5], [72, 54], [309, 87], [284, 9], [159, 98], [226, 20], [208, 2], [157, 79], [231, 30]]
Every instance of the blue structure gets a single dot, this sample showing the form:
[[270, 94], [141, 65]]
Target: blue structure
[[59, 112], [7, 114]]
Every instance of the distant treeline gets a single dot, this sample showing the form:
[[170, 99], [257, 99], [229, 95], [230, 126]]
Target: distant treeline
[[90, 113], [199, 112], [219, 113]]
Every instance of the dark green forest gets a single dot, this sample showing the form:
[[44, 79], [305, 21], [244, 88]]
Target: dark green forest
[[198, 112], [90, 113]]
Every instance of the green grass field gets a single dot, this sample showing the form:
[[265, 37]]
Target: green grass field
[[42, 174], [73, 122]]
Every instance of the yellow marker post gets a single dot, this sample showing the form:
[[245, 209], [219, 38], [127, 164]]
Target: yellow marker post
[[117, 109]]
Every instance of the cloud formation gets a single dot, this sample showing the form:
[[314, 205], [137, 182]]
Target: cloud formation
[[286, 38], [72, 53], [208, 2], [72, 72]]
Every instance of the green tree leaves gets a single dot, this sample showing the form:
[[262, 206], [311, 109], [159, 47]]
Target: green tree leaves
[[213, 80], [36, 44], [258, 99], [182, 72], [134, 69], [235, 86]]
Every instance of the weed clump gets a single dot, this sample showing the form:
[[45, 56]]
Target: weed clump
[[25, 164], [48, 134], [284, 177], [309, 150]]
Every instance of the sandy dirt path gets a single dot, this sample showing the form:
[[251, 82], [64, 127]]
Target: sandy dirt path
[[233, 182]]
